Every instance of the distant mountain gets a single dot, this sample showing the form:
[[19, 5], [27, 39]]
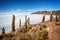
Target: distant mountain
[[48, 12]]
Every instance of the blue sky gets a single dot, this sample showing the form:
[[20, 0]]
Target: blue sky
[[29, 5]]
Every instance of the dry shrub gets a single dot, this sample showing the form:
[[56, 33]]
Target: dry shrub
[[7, 38], [23, 37]]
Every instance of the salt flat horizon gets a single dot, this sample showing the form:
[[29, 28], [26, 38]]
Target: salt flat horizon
[[6, 18]]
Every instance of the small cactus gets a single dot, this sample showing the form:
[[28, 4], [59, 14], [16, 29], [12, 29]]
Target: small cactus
[[56, 18], [43, 18], [51, 16], [20, 23], [59, 16], [28, 21], [25, 18], [3, 31], [13, 23]]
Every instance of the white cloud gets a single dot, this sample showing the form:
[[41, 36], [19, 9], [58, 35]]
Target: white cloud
[[18, 10], [14, 10], [35, 10], [32, 10], [29, 10]]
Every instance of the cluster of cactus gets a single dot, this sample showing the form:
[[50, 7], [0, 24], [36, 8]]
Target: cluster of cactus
[[43, 18], [13, 23], [27, 21]]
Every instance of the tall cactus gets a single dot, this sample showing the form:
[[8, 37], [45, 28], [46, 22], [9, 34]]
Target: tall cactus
[[51, 16], [3, 31], [20, 23], [28, 21], [25, 21], [13, 23], [43, 18]]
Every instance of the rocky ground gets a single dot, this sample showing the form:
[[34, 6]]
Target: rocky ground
[[40, 31]]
